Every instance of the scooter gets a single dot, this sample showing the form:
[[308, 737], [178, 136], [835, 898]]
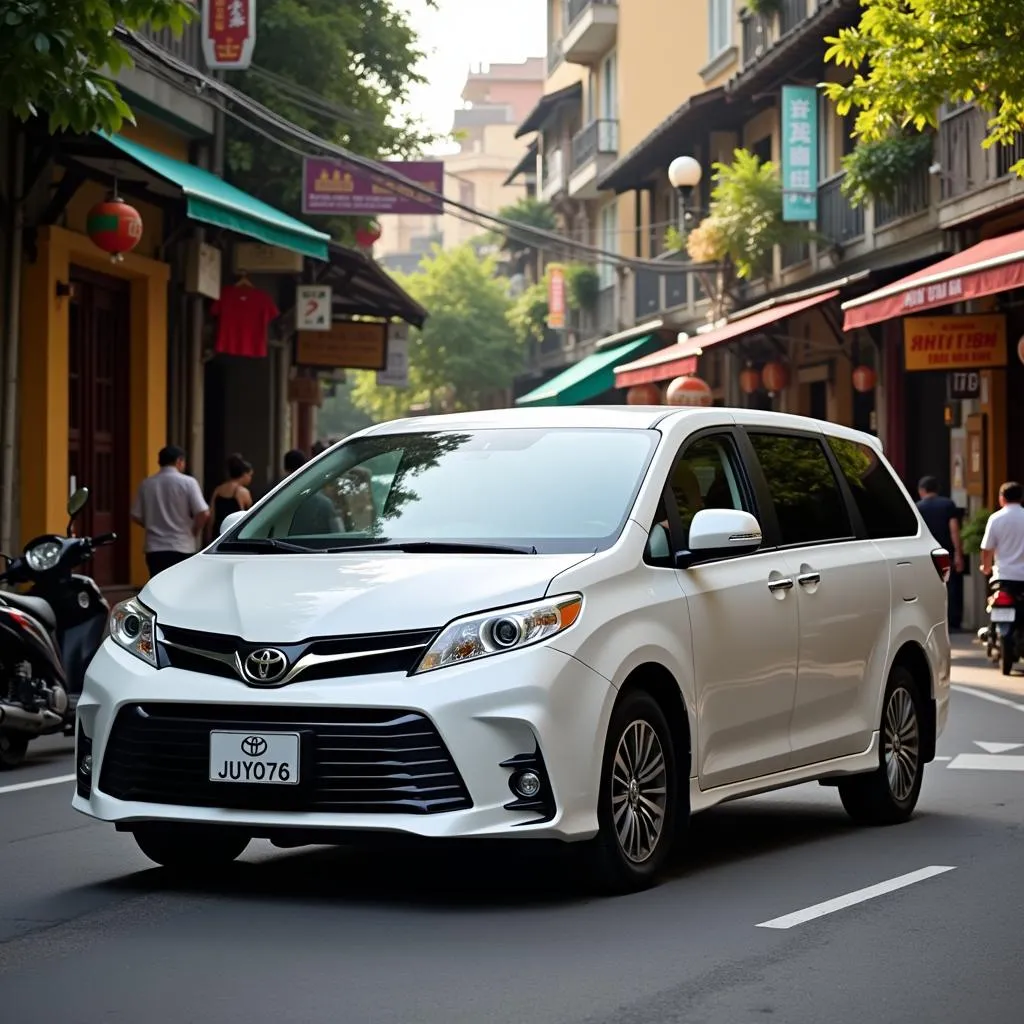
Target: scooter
[[1001, 636], [47, 635]]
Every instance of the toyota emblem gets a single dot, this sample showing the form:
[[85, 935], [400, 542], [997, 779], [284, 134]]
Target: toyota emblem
[[254, 746], [265, 666]]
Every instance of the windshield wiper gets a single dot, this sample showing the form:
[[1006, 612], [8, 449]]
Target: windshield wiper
[[439, 547], [266, 545]]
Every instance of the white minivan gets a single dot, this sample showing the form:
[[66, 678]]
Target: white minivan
[[576, 624]]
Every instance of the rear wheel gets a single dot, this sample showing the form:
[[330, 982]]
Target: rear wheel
[[190, 848], [889, 794], [13, 747]]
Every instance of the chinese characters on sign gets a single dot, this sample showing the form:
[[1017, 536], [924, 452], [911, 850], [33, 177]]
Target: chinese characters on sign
[[313, 307], [229, 33], [799, 153], [954, 342], [331, 187], [556, 297]]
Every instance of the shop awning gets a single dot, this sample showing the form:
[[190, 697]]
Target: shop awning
[[213, 201], [995, 265], [681, 359], [584, 380], [526, 167], [364, 288], [547, 105]]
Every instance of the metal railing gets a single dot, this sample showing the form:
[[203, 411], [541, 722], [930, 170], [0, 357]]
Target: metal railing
[[556, 55], [794, 253], [600, 136], [791, 14], [756, 37], [912, 197], [577, 8], [606, 316], [966, 166], [187, 47], [838, 221]]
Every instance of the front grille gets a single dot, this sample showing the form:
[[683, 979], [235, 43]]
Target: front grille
[[354, 760], [357, 655]]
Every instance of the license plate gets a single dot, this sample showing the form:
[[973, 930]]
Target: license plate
[[260, 758], [1003, 614]]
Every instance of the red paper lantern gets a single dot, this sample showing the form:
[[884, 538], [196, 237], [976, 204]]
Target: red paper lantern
[[365, 237], [114, 227], [775, 377], [688, 391], [750, 380], [1020, 350], [644, 394], [864, 378]]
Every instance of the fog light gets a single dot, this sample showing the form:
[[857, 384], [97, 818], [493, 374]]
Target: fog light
[[526, 784], [85, 764]]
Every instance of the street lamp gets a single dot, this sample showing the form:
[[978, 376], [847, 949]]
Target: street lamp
[[684, 174]]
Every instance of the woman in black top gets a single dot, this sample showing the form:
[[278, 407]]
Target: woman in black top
[[232, 495]]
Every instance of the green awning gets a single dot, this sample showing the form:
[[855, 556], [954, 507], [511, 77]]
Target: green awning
[[213, 201], [586, 379]]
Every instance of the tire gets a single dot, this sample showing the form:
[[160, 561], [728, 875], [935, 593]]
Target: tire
[[889, 794], [190, 849], [1007, 655], [13, 747], [630, 848]]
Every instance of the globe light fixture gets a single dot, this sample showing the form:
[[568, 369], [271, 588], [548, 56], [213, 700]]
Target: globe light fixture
[[684, 173]]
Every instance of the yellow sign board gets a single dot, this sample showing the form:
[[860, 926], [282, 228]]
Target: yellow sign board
[[954, 342], [352, 344]]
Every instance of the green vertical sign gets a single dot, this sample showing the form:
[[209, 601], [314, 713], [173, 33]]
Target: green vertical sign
[[799, 153]]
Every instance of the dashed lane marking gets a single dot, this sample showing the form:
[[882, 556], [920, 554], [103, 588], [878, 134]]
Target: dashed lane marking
[[1017, 705]]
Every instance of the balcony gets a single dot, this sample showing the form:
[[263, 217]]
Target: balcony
[[913, 197], [594, 150], [838, 221], [556, 56], [552, 178], [593, 26], [761, 32], [187, 47]]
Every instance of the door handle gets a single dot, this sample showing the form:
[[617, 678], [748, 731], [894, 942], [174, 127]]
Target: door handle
[[780, 585], [806, 579]]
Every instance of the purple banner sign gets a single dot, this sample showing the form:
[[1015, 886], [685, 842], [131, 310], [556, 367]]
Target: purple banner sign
[[331, 187]]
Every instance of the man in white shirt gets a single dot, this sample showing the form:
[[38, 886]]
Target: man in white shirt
[[171, 508], [1002, 547]]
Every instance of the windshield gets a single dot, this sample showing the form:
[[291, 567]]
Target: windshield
[[544, 490]]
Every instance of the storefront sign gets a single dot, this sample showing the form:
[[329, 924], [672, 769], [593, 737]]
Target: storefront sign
[[396, 375], [962, 385], [556, 297], [331, 187], [203, 270], [257, 258], [313, 307], [305, 391], [352, 344], [229, 33], [954, 342], [799, 153]]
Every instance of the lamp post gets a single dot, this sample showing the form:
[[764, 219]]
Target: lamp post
[[684, 174]]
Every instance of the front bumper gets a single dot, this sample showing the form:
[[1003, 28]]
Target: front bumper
[[486, 712]]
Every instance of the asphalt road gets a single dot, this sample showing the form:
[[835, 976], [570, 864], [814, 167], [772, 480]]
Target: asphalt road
[[89, 932]]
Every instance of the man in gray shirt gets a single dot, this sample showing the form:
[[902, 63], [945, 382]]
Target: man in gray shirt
[[171, 508]]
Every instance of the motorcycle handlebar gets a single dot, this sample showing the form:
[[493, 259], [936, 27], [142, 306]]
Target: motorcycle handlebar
[[104, 538]]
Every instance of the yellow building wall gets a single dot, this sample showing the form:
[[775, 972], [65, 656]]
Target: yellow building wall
[[147, 131]]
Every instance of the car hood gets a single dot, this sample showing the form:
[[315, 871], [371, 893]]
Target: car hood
[[287, 598]]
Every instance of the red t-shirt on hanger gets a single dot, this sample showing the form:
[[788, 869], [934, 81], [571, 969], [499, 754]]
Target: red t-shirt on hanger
[[244, 314]]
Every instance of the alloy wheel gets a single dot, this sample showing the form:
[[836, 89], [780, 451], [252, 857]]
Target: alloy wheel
[[639, 784], [902, 744]]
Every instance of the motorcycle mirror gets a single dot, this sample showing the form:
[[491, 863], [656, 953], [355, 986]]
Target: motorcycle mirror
[[76, 503]]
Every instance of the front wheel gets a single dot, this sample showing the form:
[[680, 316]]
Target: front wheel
[[13, 747], [889, 794], [190, 848], [638, 800]]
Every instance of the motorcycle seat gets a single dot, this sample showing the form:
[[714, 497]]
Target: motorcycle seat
[[34, 606]]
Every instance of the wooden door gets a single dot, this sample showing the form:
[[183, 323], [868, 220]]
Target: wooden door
[[98, 414]]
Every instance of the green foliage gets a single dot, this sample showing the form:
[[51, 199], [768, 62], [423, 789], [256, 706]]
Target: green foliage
[[910, 58], [763, 7], [51, 54], [582, 284], [673, 240], [467, 348], [972, 532], [357, 57], [876, 170], [528, 315], [530, 212]]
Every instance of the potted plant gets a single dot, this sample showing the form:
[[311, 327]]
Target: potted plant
[[877, 170], [973, 530], [582, 284]]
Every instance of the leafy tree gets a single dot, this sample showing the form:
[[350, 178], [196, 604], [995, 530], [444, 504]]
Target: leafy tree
[[530, 212], [52, 53], [528, 315], [911, 57], [337, 69], [466, 352]]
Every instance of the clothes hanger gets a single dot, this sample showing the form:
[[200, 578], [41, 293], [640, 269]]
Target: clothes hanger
[[243, 280]]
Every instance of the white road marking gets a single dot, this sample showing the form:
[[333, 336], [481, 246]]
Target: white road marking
[[988, 696], [997, 748], [943, 758], [988, 762], [853, 898], [55, 781]]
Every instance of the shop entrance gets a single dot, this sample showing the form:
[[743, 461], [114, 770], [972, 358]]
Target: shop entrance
[[98, 415], [927, 435]]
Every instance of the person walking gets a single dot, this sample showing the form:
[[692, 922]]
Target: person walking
[[170, 507], [943, 519], [233, 494]]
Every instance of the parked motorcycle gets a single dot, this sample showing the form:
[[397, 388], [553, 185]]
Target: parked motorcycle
[[47, 635], [1002, 637]]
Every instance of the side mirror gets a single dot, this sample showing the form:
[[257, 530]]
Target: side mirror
[[719, 533], [230, 522], [78, 501]]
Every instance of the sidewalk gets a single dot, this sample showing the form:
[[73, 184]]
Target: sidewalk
[[971, 668]]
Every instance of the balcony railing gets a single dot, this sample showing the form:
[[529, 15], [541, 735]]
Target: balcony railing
[[187, 47], [792, 254], [757, 37], [556, 55], [577, 8], [763, 31], [791, 14], [965, 165], [838, 221], [598, 137], [913, 197]]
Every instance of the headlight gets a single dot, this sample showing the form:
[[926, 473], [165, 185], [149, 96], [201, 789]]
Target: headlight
[[44, 556], [133, 626], [480, 636]]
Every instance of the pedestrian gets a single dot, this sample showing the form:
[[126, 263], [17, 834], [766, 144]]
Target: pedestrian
[[1002, 546], [171, 508], [233, 494], [942, 517]]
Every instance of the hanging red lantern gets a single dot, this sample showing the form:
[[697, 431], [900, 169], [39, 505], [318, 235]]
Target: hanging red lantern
[[775, 377], [1020, 350], [688, 391], [366, 236], [750, 380], [864, 379], [644, 394], [114, 227]]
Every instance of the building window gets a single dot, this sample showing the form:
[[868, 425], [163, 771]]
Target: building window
[[719, 27]]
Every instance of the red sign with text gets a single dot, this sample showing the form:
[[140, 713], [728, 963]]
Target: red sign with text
[[229, 33]]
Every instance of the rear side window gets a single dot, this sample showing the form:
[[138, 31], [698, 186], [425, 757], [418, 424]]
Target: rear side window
[[808, 501], [880, 498]]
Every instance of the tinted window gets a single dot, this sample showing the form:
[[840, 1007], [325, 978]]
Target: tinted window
[[879, 497], [705, 477], [808, 502]]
